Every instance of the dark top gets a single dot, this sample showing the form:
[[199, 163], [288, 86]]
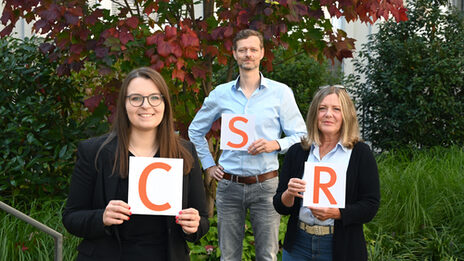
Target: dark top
[[93, 185], [361, 201], [141, 234]]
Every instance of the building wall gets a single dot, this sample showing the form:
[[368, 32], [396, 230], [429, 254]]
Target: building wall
[[21, 29]]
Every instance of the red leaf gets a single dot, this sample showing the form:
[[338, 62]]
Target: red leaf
[[150, 7], [50, 14], [190, 39], [403, 15], [333, 10], [125, 37], [242, 18], [163, 48], [190, 81], [228, 44], [191, 52], [326, 2], [158, 65], [176, 49], [199, 71], [93, 102], [222, 59], [179, 74], [93, 18], [171, 32], [7, 15], [180, 63], [229, 31], [154, 58], [212, 50], [7, 30], [132, 22], [76, 48], [170, 60], [77, 11], [152, 39], [83, 34], [216, 33], [149, 52]]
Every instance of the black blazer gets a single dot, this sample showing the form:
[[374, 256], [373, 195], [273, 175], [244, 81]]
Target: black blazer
[[92, 188], [361, 205]]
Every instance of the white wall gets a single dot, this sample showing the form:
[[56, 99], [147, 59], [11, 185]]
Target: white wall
[[21, 29]]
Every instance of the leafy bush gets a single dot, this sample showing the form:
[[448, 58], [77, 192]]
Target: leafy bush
[[303, 74], [421, 213], [413, 94], [42, 120]]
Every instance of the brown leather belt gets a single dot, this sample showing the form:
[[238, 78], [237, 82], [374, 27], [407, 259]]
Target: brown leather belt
[[316, 230], [251, 179]]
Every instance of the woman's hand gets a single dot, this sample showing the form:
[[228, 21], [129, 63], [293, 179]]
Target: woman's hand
[[325, 213], [116, 212], [189, 219], [294, 189]]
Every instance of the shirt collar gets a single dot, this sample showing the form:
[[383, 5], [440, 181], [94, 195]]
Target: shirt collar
[[339, 145], [263, 82]]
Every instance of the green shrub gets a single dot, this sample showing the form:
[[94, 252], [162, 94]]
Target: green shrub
[[413, 93], [42, 120], [21, 241], [303, 74], [421, 213]]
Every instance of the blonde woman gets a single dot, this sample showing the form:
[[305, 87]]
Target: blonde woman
[[317, 233]]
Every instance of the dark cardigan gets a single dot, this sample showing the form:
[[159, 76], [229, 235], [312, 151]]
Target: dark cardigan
[[361, 205], [91, 189]]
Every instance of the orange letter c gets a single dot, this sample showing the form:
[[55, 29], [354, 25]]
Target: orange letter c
[[143, 186]]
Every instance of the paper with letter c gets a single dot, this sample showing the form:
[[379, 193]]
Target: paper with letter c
[[325, 184], [237, 131], [155, 185]]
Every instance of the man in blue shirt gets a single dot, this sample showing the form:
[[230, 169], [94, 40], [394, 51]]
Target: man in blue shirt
[[247, 180]]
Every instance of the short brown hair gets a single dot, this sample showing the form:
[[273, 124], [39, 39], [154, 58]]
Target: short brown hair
[[244, 34], [349, 132]]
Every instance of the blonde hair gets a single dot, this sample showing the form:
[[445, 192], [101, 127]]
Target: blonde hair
[[349, 131]]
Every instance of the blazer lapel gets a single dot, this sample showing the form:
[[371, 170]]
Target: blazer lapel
[[110, 181]]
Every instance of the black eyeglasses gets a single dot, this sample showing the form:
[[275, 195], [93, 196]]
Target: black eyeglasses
[[338, 86], [137, 100]]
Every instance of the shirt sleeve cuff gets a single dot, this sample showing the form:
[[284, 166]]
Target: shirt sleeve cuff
[[207, 162]]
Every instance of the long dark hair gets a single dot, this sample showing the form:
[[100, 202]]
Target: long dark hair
[[169, 142]]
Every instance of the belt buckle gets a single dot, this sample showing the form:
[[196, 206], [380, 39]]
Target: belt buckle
[[234, 178]]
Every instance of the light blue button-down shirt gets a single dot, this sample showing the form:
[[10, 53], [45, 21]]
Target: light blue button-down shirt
[[275, 111], [339, 153]]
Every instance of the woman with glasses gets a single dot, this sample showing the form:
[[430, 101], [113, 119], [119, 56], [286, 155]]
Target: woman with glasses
[[97, 208], [321, 233]]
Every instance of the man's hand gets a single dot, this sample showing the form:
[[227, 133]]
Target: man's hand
[[215, 172], [262, 145]]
